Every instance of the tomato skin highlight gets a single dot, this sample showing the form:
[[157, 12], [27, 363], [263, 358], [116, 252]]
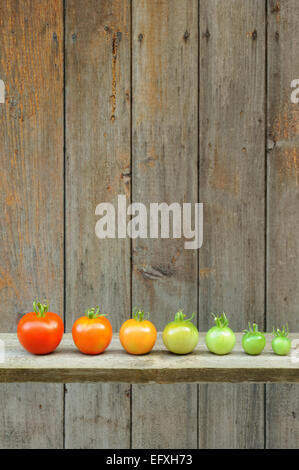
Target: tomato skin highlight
[[180, 336], [220, 339], [40, 334], [253, 341], [93, 334], [138, 336]]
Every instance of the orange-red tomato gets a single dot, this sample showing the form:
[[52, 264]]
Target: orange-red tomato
[[40, 332], [92, 333], [137, 335]]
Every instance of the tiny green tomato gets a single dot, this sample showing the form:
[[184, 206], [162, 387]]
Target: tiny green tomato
[[253, 340], [220, 339], [181, 335], [281, 344]]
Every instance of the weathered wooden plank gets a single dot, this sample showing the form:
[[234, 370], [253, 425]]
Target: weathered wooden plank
[[283, 209], [160, 366], [232, 186], [98, 169], [31, 200], [31, 416], [165, 153]]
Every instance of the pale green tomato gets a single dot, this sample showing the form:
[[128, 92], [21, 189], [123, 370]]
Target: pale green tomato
[[181, 335], [281, 344], [253, 341], [220, 339]]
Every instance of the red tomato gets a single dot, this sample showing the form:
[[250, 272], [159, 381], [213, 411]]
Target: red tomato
[[40, 332], [137, 335], [92, 333]]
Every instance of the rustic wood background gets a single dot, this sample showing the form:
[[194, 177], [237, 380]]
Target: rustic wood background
[[161, 100]]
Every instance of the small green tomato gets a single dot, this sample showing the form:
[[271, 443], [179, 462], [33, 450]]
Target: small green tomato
[[253, 340], [220, 339], [281, 344], [181, 335]]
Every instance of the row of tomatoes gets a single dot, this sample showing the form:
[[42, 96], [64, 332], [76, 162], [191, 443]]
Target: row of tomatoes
[[41, 331]]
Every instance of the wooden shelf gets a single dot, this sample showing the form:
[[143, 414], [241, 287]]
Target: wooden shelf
[[68, 365]]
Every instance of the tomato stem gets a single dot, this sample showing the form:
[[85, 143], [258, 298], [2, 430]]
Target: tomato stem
[[283, 333], [180, 316], [94, 312], [40, 309], [138, 315], [252, 328], [221, 321]]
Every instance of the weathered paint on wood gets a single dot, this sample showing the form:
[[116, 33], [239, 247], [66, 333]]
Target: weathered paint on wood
[[232, 187], [283, 208], [67, 364], [97, 170], [164, 132], [31, 201]]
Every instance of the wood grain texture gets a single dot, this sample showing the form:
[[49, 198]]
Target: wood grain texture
[[244, 423], [164, 132], [97, 170], [67, 364], [283, 208], [233, 101], [232, 187], [31, 416], [31, 200]]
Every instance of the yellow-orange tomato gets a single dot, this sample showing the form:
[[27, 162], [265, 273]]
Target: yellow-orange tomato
[[137, 335], [92, 333]]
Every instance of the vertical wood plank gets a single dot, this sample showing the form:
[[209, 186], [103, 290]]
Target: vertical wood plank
[[97, 170], [31, 201], [283, 208], [232, 187], [165, 157]]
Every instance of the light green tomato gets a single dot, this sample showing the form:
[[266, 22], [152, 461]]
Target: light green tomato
[[281, 344], [180, 336], [253, 340], [220, 339]]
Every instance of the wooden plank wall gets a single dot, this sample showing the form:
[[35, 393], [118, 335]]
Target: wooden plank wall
[[159, 100], [31, 217], [98, 116], [282, 208], [164, 168], [232, 186]]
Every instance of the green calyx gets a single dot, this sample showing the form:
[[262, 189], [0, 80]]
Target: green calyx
[[94, 312], [220, 321], [40, 309], [180, 317], [283, 333], [252, 328], [138, 315]]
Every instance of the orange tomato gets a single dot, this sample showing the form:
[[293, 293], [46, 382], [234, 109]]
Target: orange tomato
[[92, 333], [137, 335], [40, 332]]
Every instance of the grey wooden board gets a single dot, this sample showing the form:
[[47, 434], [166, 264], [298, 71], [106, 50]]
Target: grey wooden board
[[101, 418], [283, 208], [232, 188], [67, 364], [31, 416], [31, 201], [249, 410], [164, 159], [97, 170]]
